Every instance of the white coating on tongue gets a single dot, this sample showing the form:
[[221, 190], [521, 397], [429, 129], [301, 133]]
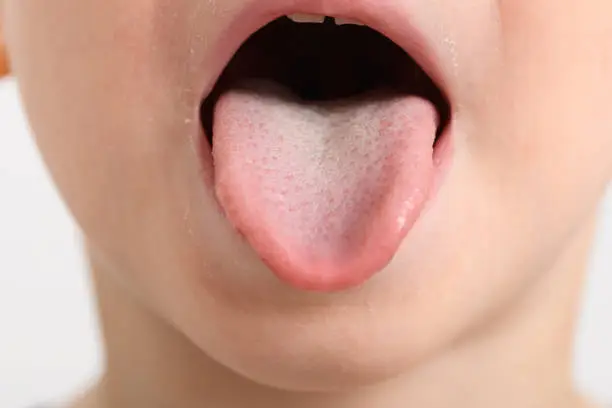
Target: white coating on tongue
[[323, 192]]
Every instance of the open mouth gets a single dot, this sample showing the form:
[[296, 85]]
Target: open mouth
[[322, 59], [323, 135]]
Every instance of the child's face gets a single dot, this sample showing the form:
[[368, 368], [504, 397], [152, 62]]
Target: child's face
[[113, 89]]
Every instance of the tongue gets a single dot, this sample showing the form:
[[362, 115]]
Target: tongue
[[323, 192]]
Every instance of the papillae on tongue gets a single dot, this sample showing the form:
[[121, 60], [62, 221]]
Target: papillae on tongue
[[323, 192]]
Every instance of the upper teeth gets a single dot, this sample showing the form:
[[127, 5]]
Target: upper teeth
[[314, 18], [344, 21], [307, 18]]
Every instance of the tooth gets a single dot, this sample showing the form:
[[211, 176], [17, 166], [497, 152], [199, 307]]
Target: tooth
[[344, 21], [307, 18]]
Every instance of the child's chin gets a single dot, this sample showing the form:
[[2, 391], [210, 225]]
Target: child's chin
[[320, 370], [329, 350]]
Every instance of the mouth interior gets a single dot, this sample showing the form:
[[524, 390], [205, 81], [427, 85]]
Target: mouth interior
[[325, 62]]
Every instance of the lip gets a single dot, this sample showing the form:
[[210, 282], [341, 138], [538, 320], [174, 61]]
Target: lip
[[391, 19]]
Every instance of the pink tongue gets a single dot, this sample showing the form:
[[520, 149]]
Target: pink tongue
[[323, 192]]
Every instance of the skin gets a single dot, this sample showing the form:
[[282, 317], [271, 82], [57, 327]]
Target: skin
[[476, 310]]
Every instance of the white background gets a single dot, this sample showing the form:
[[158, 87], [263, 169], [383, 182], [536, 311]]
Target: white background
[[49, 344]]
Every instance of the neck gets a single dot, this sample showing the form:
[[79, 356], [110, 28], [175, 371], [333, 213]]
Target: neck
[[521, 359]]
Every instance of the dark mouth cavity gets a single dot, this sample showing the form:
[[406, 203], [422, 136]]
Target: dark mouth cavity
[[325, 62]]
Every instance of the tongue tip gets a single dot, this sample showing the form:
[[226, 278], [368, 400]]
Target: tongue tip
[[339, 271], [326, 277]]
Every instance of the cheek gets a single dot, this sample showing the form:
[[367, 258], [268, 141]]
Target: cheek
[[533, 157], [113, 102], [545, 134], [100, 101]]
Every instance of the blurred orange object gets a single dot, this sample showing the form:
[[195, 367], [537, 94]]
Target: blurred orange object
[[4, 64]]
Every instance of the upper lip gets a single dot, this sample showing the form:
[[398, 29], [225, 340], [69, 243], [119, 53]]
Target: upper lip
[[392, 18]]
